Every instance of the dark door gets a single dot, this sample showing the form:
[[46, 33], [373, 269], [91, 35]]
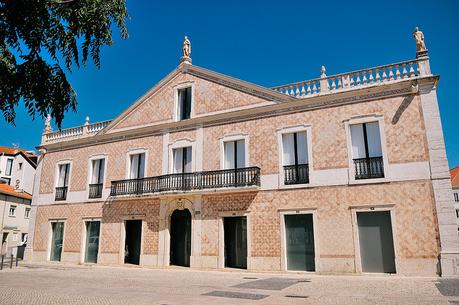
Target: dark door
[[235, 230], [92, 241], [376, 243], [180, 249], [299, 240], [133, 241], [57, 240]]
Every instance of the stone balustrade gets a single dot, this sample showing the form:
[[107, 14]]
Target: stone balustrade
[[74, 132], [352, 80]]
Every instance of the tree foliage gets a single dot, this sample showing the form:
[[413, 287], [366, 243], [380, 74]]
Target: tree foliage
[[39, 38]]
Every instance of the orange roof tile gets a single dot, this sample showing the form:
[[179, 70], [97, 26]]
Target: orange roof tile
[[10, 191], [454, 177]]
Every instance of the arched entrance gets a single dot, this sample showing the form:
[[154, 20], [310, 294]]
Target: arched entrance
[[180, 242]]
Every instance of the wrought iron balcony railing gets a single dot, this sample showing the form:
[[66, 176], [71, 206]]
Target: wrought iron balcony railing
[[369, 168], [240, 177], [95, 190], [61, 193], [296, 174]]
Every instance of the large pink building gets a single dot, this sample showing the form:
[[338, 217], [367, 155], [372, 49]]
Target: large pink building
[[339, 174]]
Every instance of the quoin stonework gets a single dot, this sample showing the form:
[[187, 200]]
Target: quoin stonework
[[340, 174]]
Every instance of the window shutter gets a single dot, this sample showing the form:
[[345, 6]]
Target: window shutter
[[240, 153], [358, 144], [178, 159], [374, 140], [188, 160], [229, 155], [134, 166], [95, 171], [288, 149], [141, 168], [302, 146]]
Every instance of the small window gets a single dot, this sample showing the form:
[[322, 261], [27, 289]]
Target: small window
[[9, 166], [63, 178], [12, 211], [97, 176], [457, 213], [295, 158], [367, 151], [456, 197], [27, 213], [137, 166], [182, 160], [184, 103], [234, 154], [20, 166]]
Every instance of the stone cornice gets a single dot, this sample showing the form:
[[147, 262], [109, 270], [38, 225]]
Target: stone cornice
[[295, 105]]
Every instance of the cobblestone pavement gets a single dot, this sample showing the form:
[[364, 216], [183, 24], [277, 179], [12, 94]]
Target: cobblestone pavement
[[65, 284]]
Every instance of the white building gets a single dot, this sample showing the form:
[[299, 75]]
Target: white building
[[14, 218], [17, 168], [455, 184]]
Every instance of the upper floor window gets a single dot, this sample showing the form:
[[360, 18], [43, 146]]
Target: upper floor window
[[457, 213], [137, 166], [184, 103], [234, 154], [9, 167], [27, 213], [182, 160], [456, 197], [97, 178], [20, 166], [62, 181], [12, 211], [295, 158], [367, 150]]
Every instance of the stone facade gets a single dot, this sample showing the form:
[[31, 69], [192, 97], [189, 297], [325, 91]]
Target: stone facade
[[412, 189]]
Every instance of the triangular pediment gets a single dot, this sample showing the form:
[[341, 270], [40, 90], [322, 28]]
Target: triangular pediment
[[213, 93]]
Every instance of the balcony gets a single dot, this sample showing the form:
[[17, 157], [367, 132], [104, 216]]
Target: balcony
[[369, 168], [95, 190], [296, 174], [61, 193], [228, 178]]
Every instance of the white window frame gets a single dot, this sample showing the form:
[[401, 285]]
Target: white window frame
[[128, 161], [27, 212], [188, 84], [231, 138], [181, 143], [360, 120], [315, 223], [293, 129], [88, 181], [14, 208], [56, 175]]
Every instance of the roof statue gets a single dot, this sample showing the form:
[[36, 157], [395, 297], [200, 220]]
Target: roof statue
[[186, 51], [420, 43]]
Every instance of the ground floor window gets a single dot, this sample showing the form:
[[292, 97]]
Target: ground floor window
[[92, 241], [180, 242], [57, 240], [376, 242], [133, 241], [299, 242], [235, 231]]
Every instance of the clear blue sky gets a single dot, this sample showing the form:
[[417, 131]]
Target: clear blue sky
[[264, 43]]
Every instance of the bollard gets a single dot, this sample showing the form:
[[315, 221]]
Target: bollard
[[11, 261], [16, 260], [3, 257]]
